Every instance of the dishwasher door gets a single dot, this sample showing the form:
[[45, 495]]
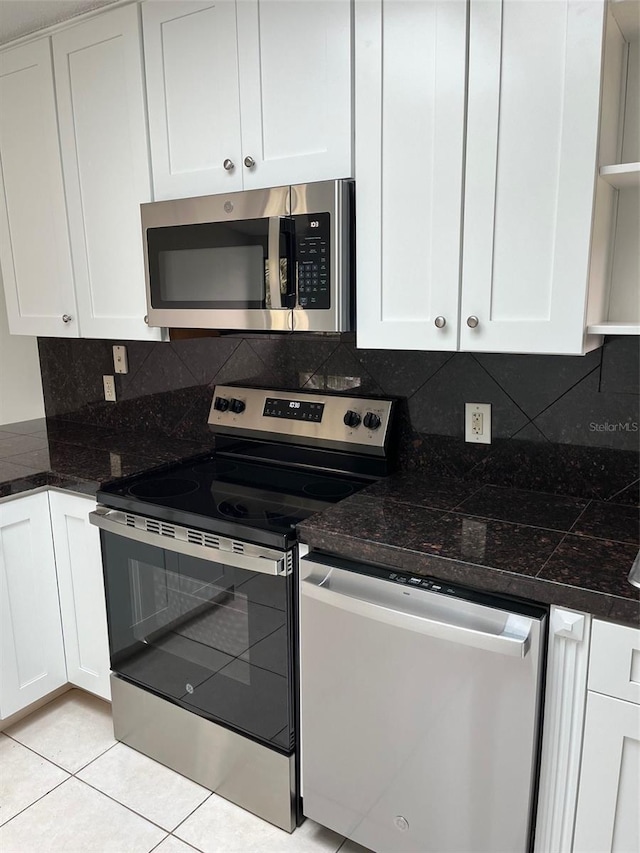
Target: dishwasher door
[[420, 711]]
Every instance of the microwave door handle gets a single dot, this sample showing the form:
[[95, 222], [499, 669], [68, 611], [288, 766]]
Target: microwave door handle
[[274, 262], [289, 230]]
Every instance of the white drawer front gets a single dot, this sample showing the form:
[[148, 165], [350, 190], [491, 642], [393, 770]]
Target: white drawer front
[[614, 668]]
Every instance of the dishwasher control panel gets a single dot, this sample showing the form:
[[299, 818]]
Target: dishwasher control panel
[[436, 585], [423, 583]]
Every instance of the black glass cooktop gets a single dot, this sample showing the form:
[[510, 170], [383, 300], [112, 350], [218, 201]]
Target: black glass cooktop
[[222, 492]]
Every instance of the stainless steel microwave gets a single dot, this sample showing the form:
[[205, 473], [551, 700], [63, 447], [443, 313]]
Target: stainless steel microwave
[[279, 259]]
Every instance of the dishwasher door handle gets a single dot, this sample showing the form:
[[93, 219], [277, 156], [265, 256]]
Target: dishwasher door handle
[[515, 643]]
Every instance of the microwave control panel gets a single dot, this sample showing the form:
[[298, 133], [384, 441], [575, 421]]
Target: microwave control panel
[[313, 254]]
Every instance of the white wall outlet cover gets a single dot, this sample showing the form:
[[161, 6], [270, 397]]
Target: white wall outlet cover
[[109, 383], [477, 423]]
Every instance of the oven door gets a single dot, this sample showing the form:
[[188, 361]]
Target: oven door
[[223, 262], [204, 633]]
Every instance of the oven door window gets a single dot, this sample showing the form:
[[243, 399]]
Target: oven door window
[[220, 265], [210, 637]]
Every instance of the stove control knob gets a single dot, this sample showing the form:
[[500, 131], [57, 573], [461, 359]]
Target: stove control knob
[[221, 404], [352, 419], [237, 406], [371, 421]]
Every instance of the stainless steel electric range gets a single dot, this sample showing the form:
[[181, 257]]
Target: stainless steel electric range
[[200, 564]]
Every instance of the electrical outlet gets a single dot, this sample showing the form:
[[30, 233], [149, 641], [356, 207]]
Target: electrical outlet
[[477, 423], [115, 462], [120, 363], [109, 383]]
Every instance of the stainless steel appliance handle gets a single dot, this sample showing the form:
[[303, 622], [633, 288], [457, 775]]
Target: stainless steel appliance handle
[[274, 262], [263, 560], [506, 644]]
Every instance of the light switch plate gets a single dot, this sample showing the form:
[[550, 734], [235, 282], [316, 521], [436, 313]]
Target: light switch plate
[[120, 362], [477, 423]]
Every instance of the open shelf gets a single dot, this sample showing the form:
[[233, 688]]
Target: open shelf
[[622, 175], [627, 14], [611, 328]]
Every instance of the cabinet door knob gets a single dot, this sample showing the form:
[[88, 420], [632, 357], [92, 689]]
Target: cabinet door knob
[[67, 318], [440, 322], [229, 165], [472, 322], [249, 162]]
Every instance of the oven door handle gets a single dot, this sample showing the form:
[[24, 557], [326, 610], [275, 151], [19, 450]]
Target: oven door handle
[[263, 560]]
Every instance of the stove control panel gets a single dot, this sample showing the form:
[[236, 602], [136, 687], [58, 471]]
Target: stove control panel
[[332, 420]]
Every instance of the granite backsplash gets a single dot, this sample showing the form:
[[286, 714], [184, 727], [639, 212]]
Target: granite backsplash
[[561, 424]]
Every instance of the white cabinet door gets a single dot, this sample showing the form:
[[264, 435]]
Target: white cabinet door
[[295, 90], [410, 101], [268, 80], [191, 61], [34, 241], [82, 599], [32, 651], [607, 817], [532, 138], [564, 708], [101, 108]]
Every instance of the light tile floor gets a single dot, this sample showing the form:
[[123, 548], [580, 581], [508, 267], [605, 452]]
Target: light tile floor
[[67, 785]]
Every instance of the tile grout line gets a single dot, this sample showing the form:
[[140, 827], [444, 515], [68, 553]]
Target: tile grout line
[[546, 562], [39, 754], [572, 528], [128, 808], [620, 491], [162, 840], [26, 808], [99, 791], [104, 752], [429, 378], [177, 827], [188, 843]]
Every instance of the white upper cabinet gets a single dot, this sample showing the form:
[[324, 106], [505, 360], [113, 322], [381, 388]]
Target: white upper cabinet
[[476, 233], [191, 59], [34, 241], [295, 90], [247, 94], [101, 107], [410, 97], [532, 143]]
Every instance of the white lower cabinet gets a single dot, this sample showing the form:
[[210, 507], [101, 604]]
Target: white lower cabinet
[[52, 606], [609, 793], [81, 589], [32, 655], [590, 763], [607, 817], [563, 722]]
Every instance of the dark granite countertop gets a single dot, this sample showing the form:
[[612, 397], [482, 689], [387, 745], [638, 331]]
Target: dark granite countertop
[[552, 549], [555, 550], [78, 457]]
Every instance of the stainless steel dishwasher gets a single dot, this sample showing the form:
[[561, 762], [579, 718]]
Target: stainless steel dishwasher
[[420, 706]]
